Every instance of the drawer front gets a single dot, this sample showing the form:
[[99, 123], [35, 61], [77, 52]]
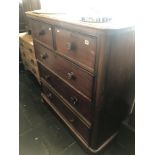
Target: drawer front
[[43, 32], [71, 73], [80, 103], [73, 120], [81, 48]]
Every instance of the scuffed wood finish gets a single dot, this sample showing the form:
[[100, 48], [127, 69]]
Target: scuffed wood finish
[[90, 69]]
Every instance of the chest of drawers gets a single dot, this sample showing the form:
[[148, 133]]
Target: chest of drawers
[[87, 75], [28, 54]]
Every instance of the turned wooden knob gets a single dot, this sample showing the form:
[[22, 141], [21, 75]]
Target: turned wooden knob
[[42, 32], [72, 120], [49, 95], [47, 77], [70, 75], [44, 55], [74, 100]]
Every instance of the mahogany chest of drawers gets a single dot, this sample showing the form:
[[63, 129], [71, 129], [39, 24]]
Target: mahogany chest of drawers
[[28, 54], [87, 75]]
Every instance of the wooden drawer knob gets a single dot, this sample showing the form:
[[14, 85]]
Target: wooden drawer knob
[[70, 75], [72, 120], [74, 100], [69, 45], [42, 32], [44, 56], [49, 95], [47, 77]]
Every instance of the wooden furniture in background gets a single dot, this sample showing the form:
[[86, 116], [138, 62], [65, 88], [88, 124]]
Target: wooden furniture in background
[[28, 54], [87, 74], [26, 5]]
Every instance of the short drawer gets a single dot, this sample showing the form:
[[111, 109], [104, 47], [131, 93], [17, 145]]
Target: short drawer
[[79, 47], [76, 100], [74, 75], [68, 115], [43, 33]]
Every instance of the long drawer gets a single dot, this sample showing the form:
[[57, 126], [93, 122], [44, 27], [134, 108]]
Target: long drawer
[[79, 47], [76, 100], [67, 114], [74, 75]]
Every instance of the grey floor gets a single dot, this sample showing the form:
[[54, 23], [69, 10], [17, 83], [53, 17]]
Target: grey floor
[[41, 133]]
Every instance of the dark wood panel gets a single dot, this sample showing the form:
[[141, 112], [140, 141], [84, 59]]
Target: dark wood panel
[[75, 99], [81, 48], [74, 121], [118, 92], [71, 73]]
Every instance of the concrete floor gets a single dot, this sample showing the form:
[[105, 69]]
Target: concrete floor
[[41, 133]]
